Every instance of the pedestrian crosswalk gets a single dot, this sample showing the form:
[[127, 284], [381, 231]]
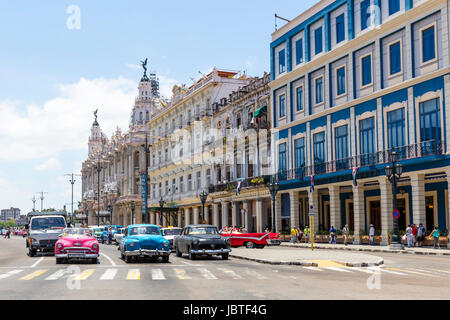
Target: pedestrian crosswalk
[[195, 273]]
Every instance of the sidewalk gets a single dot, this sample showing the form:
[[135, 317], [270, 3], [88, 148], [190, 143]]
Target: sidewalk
[[281, 255], [368, 248]]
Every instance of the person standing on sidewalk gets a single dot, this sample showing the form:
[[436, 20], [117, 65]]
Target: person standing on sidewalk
[[435, 234], [299, 234], [293, 234], [306, 233], [346, 233], [372, 235], [414, 232], [409, 236], [420, 235], [332, 235]]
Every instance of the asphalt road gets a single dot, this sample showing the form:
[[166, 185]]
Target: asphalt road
[[401, 277]]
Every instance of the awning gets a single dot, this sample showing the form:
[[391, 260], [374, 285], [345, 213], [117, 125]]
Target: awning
[[260, 112]]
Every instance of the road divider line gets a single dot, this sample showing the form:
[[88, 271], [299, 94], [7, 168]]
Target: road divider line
[[386, 271], [365, 270], [134, 274], [109, 274], [37, 262], [58, 274], [313, 268], [9, 274], [157, 274], [109, 259], [231, 273], [413, 272], [84, 275], [336, 269], [181, 274], [206, 274], [33, 275]]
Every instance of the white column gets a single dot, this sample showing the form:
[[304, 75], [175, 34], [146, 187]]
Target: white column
[[411, 120], [247, 214], [179, 218], [278, 213], [293, 198], [196, 214], [235, 214], [335, 206], [418, 198], [153, 218], [216, 215], [358, 209], [224, 214], [259, 215], [387, 223], [187, 218]]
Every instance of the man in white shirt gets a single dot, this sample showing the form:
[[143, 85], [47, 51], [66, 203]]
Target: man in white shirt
[[409, 236], [372, 235]]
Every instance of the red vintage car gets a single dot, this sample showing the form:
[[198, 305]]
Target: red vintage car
[[250, 240]]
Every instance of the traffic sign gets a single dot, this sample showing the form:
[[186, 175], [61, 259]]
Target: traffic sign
[[396, 214]]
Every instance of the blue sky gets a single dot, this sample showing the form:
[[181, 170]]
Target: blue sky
[[52, 77]]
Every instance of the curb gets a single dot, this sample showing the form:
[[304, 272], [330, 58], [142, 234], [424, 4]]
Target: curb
[[365, 264], [304, 264], [431, 253]]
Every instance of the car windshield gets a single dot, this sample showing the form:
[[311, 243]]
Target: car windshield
[[202, 230], [144, 230], [171, 232], [77, 231], [40, 223]]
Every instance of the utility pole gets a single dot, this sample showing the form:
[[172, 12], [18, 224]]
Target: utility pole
[[42, 198], [72, 181], [34, 203]]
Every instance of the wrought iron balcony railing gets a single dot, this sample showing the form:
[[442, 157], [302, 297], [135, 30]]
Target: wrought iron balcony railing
[[421, 149]]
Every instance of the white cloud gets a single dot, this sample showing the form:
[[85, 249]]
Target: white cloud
[[133, 66], [63, 123], [50, 164]]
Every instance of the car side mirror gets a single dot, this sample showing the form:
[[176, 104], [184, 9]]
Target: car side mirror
[[27, 226]]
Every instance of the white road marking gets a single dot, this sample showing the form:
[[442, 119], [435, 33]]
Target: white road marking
[[426, 271], [84, 275], [366, 270], [13, 272], [157, 274], [109, 259], [206, 274], [109, 274], [58, 274], [189, 264], [386, 271], [313, 268], [233, 274], [336, 269], [256, 274], [37, 262], [181, 274]]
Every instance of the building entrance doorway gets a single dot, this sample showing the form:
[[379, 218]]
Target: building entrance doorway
[[401, 206], [375, 214], [429, 212]]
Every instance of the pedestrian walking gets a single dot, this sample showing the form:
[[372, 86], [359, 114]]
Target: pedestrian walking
[[420, 235], [346, 233], [435, 234], [299, 234], [372, 235], [414, 232], [332, 235], [293, 234], [306, 232], [109, 235], [409, 236]]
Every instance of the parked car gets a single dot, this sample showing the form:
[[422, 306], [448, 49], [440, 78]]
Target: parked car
[[250, 240], [104, 235], [201, 239], [119, 235], [144, 240], [97, 232], [169, 233], [76, 243]]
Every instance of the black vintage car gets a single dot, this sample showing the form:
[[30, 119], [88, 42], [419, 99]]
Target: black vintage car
[[201, 239]]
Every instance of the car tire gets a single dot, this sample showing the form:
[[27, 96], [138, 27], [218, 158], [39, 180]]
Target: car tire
[[165, 259], [127, 259], [191, 255], [178, 253], [259, 246], [225, 256], [122, 256], [94, 260], [31, 252], [59, 260], [250, 245]]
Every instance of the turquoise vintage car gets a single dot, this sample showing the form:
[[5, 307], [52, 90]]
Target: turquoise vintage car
[[144, 240]]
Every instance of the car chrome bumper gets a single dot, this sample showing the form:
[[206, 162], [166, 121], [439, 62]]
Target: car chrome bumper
[[77, 256], [147, 253], [211, 252]]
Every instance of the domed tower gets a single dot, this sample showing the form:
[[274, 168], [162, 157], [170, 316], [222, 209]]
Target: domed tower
[[97, 137], [147, 100]]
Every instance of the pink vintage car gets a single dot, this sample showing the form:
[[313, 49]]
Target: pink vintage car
[[76, 243]]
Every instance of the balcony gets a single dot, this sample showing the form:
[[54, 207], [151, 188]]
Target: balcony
[[245, 183], [418, 150]]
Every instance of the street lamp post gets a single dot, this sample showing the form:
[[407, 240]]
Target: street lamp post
[[110, 209], [144, 203], [99, 169], [203, 197], [273, 188], [161, 205], [393, 173], [132, 212]]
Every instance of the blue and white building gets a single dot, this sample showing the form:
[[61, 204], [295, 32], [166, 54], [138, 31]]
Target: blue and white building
[[353, 81]]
